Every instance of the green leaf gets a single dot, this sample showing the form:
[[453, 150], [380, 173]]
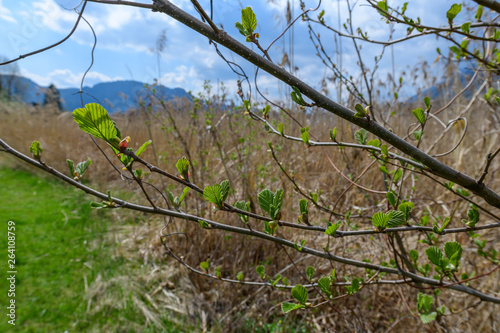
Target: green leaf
[[94, 119], [281, 129], [143, 148], [297, 96], [379, 220], [217, 194], [434, 255], [248, 19], [414, 255], [261, 271], [354, 288], [360, 111], [310, 272], [466, 27], [382, 5], [374, 143], [71, 167], [224, 189], [265, 198], [218, 272], [305, 135], [300, 294], [391, 198], [453, 12], [427, 102], [453, 251], [424, 303], [397, 219], [428, 317], [81, 167], [324, 285], [205, 265], [384, 150], [463, 192], [473, 215], [183, 195], [479, 13], [288, 307], [182, 166], [241, 29], [333, 134], [97, 205], [303, 204], [204, 224], [361, 136], [243, 206], [330, 231], [420, 115], [397, 175], [406, 208], [36, 150], [239, 276], [137, 173]]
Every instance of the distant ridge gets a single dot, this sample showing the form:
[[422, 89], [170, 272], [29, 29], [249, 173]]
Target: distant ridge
[[116, 96]]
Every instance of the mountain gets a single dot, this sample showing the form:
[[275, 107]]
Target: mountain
[[117, 96]]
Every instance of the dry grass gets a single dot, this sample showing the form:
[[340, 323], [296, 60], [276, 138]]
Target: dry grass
[[235, 148]]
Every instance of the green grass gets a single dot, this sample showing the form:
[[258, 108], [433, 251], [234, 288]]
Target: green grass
[[60, 243]]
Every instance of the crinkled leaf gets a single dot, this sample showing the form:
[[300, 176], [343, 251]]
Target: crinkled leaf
[[361, 136], [310, 272], [330, 231], [224, 189], [261, 271], [333, 134], [324, 285], [434, 255], [379, 220], [182, 166], [82, 166], [397, 219], [248, 19], [360, 111], [299, 292], [36, 149], [303, 204], [205, 265], [243, 206], [428, 317], [265, 198], [453, 251], [94, 119]]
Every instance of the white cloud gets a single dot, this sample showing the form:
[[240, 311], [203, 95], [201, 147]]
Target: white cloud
[[65, 78], [5, 14]]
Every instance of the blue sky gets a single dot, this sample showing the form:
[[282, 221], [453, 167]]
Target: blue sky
[[127, 37]]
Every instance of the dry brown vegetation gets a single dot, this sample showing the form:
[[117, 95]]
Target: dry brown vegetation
[[229, 145]]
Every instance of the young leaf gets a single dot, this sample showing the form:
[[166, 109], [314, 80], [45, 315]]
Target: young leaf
[[182, 166], [243, 206], [183, 195], [391, 198], [310, 272], [288, 307], [453, 251], [218, 272], [94, 119], [36, 150], [204, 224], [265, 198], [324, 285], [249, 19], [361, 136], [71, 167], [384, 150], [143, 148], [420, 115], [434, 255], [205, 265], [330, 231], [453, 12], [305, 135], [427, 102], [300, 294], [281, 129], [239, 276], [397, 219], [379, 220], [354, 288], [261, 271], [81, 167], [333, 134], [360, 111], [303, 204]]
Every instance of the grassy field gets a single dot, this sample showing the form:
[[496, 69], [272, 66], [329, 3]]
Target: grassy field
[[62, 249]]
